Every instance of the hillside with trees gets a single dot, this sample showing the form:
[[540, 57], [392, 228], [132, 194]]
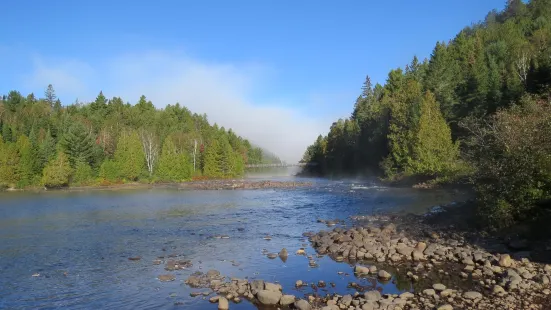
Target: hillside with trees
[[108, 141], [477, 109]]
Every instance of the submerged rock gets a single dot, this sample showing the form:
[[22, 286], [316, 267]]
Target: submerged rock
[[166, 277]]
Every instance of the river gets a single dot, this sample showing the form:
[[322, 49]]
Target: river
[[79, 242]]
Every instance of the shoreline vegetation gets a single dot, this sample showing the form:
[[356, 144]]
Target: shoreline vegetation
[[107, 141], [477, 111]]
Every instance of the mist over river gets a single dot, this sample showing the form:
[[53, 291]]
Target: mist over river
[[79, 242]]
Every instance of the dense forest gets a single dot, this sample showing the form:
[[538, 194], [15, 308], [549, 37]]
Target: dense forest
[[44, 143], [478, 109]]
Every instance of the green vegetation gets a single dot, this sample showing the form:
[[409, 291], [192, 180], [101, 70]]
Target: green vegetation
[[478, 107], [44, 143]]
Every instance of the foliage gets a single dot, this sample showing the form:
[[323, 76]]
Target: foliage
[[83, 175], [511, 152], [78, 145], [57, 172], [173, 165], [129, 157]]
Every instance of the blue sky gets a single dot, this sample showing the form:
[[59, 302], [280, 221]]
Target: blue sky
[[278, 72]]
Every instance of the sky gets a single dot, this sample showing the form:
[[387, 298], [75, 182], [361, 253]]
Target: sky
[[278, 72]]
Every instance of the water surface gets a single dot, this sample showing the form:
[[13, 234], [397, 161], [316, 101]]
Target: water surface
[[79, 242]]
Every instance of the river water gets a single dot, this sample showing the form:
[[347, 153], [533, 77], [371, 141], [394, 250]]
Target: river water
[[80, 242]]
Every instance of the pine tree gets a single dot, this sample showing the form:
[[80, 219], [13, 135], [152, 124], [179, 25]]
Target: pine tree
[[57, 171], [46, 150], [173, 166], [129, 156], [50, 95], [6, 132]]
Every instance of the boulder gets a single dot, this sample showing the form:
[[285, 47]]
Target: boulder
[[383, 275], [472, 295], [302, 304], [272, 287], [223, 304], [361, 270], [268, 298], [505, 260], [287, 300], [439, 287], [372, 295]]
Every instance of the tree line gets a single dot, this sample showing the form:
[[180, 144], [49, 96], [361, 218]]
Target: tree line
[[476, 109], [44, 143]]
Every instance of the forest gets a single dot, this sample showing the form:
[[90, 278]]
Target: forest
[[477, 110], [108, 141]]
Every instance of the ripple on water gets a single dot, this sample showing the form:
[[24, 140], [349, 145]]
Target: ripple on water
[[80, 242]]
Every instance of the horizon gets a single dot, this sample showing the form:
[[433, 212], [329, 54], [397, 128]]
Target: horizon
[[277, 76]]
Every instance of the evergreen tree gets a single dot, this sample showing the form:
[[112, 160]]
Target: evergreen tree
[[27, 161], [57, 171], [129, 156], [9, 164], [434, 151], [83, 174], [211, 166], [173, 166], [78, 145], [50, 95], [6, 132], [46, 149]]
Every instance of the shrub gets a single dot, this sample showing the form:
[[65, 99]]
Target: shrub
[[511, 154]]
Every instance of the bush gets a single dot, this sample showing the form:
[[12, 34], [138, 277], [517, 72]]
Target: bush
[[109, 171], [57, 172], [84, 175], [511, 154]]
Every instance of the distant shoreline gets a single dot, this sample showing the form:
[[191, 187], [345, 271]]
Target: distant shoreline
[[191, 185]]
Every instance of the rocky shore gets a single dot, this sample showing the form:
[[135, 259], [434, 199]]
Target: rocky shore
[[443, 268]]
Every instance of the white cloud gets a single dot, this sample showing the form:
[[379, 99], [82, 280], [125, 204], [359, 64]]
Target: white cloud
[[223, 91]]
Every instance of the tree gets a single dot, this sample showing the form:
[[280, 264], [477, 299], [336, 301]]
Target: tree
[[77, 143], [211, 167], [434, 151], [150, 148], [9, 164], [129, 156], [50, 95], [173, 166], [27, 160], [57, 172], [83, 174]]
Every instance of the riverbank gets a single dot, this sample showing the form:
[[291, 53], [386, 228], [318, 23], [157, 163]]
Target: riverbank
[[449, 266], [241, 184]]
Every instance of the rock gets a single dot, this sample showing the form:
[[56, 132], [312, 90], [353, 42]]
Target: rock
[[429, 292], [214, 299], [271, 255], [417, 255], [383, 275], [302, 304], [157, 262], [472, 295], [439, 287], [368, 306], [346, 300], [361, 270], [257, 285], [299, 283], [135, 258], [406, 295], [272, 287], [421, 246], [236, 300], [287, 300], [301, 252], [373, 269], [505, 260], [404, 249], [447, 292], [223, 304], [498, 290], [213, 273], [372, 295], [283, 253], [445, 307], [267, 297], [166, 277]]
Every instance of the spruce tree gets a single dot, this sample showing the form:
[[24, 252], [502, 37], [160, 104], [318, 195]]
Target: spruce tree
[[129, 156], [211, 160], [78, 145], [173, 166]]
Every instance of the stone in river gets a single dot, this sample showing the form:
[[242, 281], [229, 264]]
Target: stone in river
[[268, 297], [299, 283], [287, 300], [383, 275], [223, 304], [166, 277], [134, 258], [271, 255]]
